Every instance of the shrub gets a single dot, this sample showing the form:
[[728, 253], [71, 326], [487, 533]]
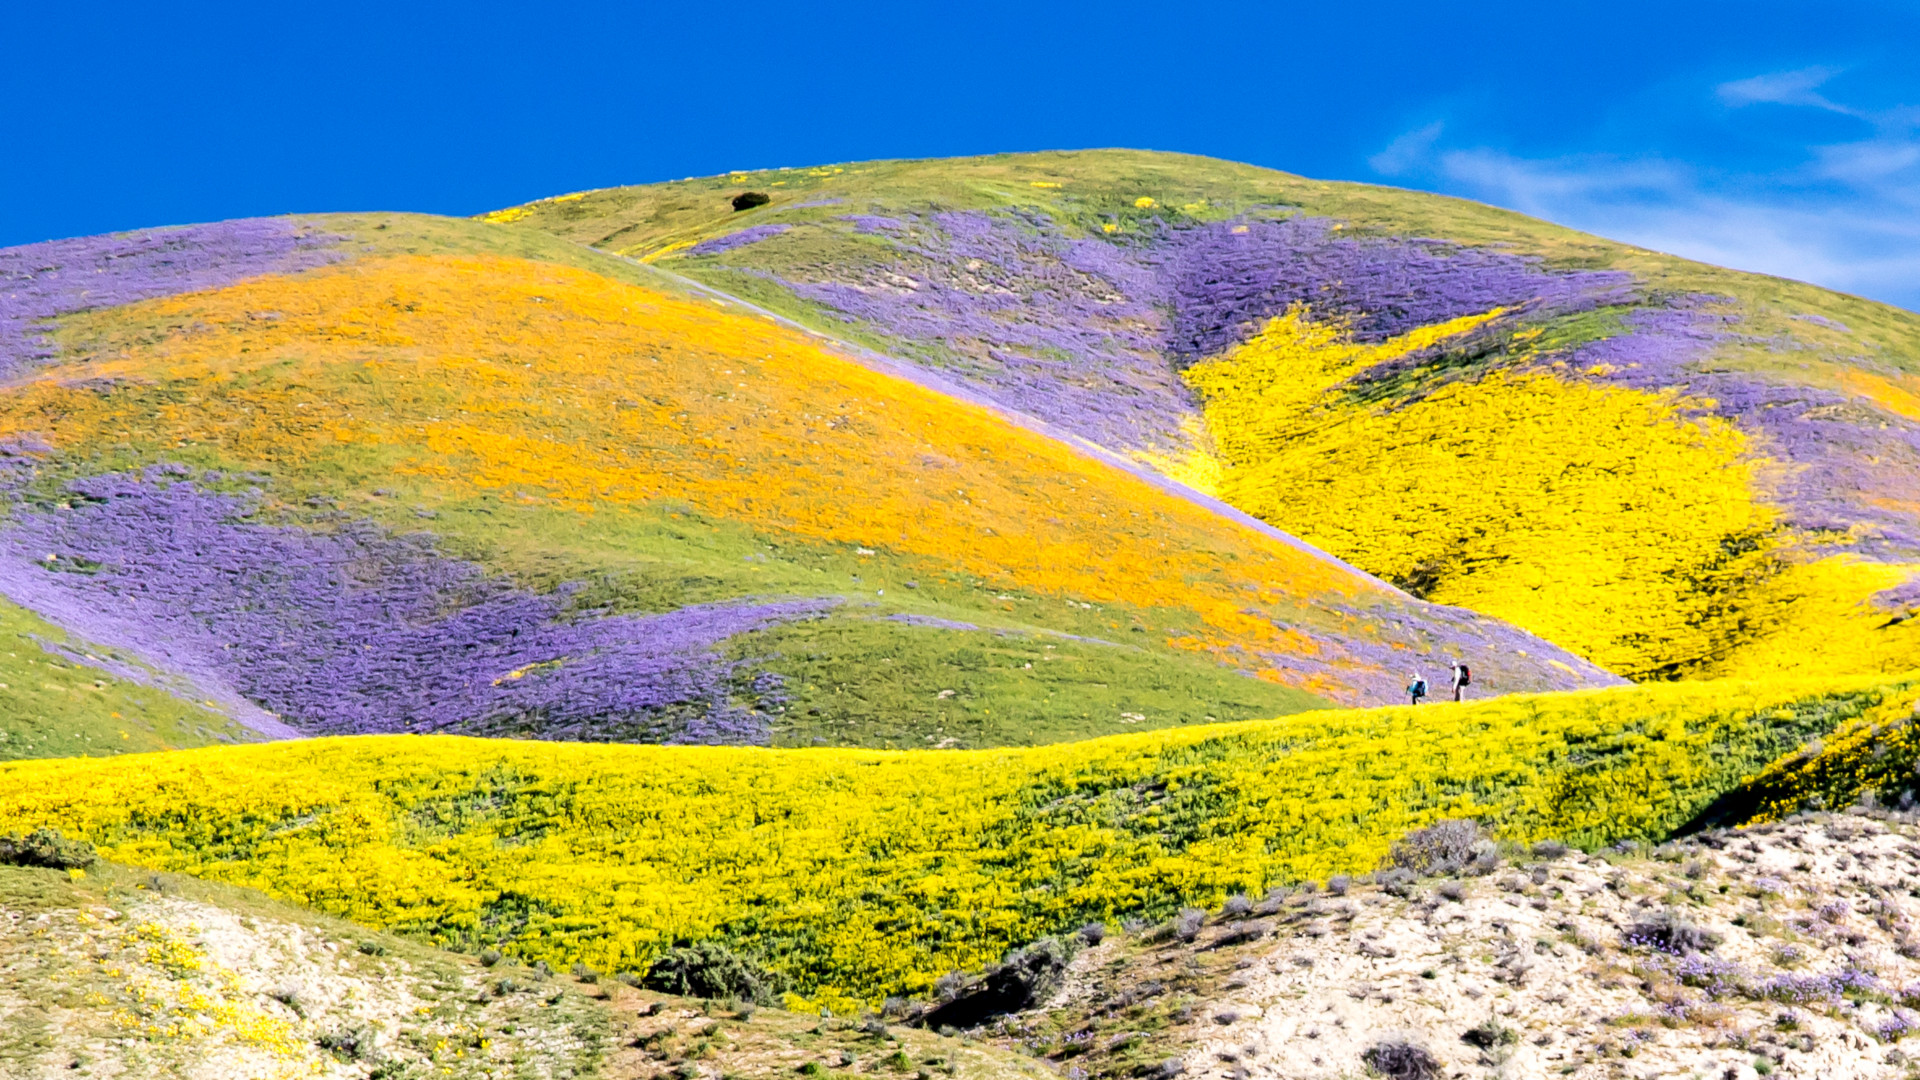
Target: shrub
[[1187, 924], [1490, 1033], [1020, 982], [747, 200], [1549, 849], [1445, 847], [354, 1042], [1093, 933], [586, 974], [489, 957], [292, 996], [1398, 1059], [46, 848], [1670, 932], [708, 969], [1236, 906], [1396, 880]]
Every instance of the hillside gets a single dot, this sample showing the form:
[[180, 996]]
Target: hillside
[[859, 874], [1670, 469], [210, 982], [1783, 950], [396, 473]]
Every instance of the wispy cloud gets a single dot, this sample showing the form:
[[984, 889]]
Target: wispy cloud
[[1844, 215], [1783, 88], [1408, 151], [1869, 246]]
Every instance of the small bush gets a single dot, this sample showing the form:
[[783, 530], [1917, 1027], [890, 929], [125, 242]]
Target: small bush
[[585, 974], [1236, 933], [708, 969], [292, 996], [354, 1042], [372, 948], [1021, 981], [1338, 884], [1549, 849], [490, 957], [1670, 932], [1445, 847], [46, 848], [1489, 1034], [1236, 906], [1398, 881], [1455, 891], [1187, 924], [747, 200], [1093, 933], [1398, 1059]]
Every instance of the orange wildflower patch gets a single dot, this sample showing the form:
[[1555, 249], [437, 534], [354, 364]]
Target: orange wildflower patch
[[528, 379]]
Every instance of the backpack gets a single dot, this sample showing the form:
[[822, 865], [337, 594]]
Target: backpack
[[1418, 689], [1466, 675]]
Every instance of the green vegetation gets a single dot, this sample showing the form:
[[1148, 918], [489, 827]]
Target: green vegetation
[[53, 703], [861, 680]]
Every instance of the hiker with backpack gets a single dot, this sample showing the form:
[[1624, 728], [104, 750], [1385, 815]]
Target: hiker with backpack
[[1462, 677], [1417, 688]]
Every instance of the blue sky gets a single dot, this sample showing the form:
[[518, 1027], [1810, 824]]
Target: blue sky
[[1776, 137]]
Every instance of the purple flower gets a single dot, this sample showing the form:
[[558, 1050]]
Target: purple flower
[[357, 631], [40, 281], [1227, 278], [752, 234], [1852, 470]]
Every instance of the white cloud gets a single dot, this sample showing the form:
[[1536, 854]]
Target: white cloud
[[1847, 215], [1409, 151], [1783, 88], [1867, 244]]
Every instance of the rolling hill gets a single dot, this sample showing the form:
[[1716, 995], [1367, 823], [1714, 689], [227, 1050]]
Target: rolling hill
[[986, 558], [859, 874], [395, 473], [1670, 469]]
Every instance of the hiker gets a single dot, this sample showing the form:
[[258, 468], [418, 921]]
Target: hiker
[[1462, 677], [1416, 689]]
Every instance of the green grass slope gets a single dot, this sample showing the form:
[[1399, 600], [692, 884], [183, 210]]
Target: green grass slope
[[56, 700]]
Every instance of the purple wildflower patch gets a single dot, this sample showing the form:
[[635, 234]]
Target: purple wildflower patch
[[1060, 329], [40, 281], [1853, 467], [1088, 334], [752, 234], [358, 631], [1227, 278], [871, 224]]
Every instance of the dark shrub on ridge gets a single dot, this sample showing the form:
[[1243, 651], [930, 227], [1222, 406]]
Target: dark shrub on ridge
[[708, 969], [47, 848]]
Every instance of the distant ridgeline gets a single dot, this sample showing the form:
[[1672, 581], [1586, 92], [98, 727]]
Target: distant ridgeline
[[1670, 469], [395, 473]]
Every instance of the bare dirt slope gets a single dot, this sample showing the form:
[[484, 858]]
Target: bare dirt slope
[[1780, 950]]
